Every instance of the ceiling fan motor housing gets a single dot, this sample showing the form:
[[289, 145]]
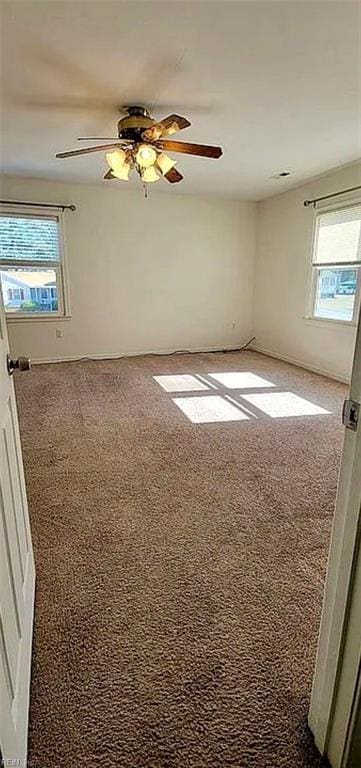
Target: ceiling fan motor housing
[[134, 124]]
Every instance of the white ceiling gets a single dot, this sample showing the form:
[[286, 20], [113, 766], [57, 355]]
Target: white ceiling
[[277, 84]]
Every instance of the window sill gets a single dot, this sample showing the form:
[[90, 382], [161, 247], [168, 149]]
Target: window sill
[[328, 321], [37, 318]]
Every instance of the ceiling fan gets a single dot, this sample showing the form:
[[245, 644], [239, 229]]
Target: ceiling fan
[[141, 145]]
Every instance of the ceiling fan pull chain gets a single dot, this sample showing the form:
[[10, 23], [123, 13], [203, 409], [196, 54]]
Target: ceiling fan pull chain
[[145, 187]]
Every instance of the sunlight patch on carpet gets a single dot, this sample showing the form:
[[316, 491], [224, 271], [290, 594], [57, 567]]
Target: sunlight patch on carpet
[[209, 408], [240, 380], [182, 382], [284, 404]]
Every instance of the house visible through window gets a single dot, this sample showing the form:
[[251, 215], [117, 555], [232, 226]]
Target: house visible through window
[[31, 264], [336, 273]]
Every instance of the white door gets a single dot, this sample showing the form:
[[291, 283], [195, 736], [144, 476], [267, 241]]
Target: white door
[[336, 686], [17, 575]]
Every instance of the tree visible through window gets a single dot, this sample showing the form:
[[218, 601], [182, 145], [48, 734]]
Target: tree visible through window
[[335, 290], [31, 267]]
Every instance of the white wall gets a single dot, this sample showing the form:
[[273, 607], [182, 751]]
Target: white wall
[[175, 272], [284, 242], [170, 272]]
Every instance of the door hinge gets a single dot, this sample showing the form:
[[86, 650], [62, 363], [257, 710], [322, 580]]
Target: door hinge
[[350, 414]]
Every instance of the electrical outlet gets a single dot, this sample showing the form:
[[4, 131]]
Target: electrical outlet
[[233, 326], [59, 333]]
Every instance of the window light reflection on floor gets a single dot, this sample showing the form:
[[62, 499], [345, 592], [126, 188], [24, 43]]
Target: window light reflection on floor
[[283, 404], [208, 409], [240, 380], [182, 382]]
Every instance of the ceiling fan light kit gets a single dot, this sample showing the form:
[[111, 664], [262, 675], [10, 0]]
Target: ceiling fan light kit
[[165, 163], [149, 175], [140, 144], [146, 156]]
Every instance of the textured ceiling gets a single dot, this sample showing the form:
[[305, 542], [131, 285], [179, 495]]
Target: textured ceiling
[[277, 84]]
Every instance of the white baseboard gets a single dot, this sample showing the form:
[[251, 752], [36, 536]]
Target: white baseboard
[[137, 353], [301, 364], [191, 350]]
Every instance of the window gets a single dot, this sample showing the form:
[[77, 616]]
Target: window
[[336, 274], [31, 264], [18, 294]]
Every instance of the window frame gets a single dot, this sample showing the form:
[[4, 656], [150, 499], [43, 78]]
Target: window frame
[[314, 269], [60, 267]]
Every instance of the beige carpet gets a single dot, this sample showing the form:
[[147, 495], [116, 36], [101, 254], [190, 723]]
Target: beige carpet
[[180, 565]]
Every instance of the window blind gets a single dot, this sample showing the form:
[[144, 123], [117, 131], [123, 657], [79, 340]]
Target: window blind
[[338, 236], [29, 238]]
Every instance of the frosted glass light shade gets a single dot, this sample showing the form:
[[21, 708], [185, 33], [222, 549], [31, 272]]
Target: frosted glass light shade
[[165, 163], [116, 159], [149, 175], [122, 172], [146, 156]]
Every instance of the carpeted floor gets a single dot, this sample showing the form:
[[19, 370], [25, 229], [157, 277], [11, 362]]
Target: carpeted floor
[[180, 565]]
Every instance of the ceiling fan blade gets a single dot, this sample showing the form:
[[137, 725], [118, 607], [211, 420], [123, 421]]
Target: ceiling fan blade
[[202, 150], [87, 150], [166, 127], [173, 176], [99, 138], [109, 175]]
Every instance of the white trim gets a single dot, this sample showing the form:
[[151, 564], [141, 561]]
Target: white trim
[[191, 350], [338, 656], [131, 353], [60, 266], [348, 688], [311, 283], [327, 321], [315, 267], [300, 364], [315, 272], [37, 318], [354, 732], [57, 268], [64, 267]]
